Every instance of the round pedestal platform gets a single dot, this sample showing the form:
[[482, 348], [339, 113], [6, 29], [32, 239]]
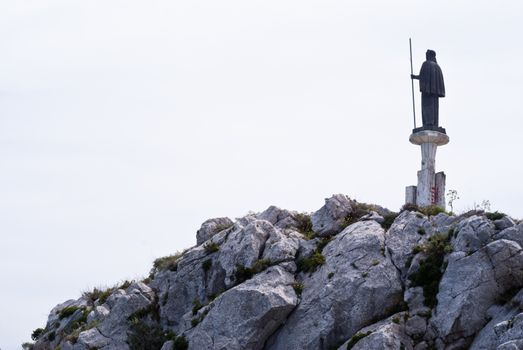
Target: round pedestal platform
[[429, 136]]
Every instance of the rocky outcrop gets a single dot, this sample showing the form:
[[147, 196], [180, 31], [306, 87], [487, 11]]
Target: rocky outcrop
[[253, 311], [211, 227], [357, 284], [348, 276], [331, 218]]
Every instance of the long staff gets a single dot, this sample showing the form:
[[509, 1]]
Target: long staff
[[412, 84]]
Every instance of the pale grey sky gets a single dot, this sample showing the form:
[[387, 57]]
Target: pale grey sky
[[125, 124]]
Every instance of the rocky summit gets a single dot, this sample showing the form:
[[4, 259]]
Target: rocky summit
[[348, 276]]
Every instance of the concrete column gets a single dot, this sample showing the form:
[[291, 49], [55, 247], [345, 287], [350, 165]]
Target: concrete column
[[431, 186], [410, 195], [440, 180]]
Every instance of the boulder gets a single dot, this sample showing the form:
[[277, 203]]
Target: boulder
[[513, 233], [504, 327], [282, 246], [356, 284], [211, 227], [111, 332], [246, 314], [408, 230], [278, 217], [240, 247], [504, 223], [386, 334], [473, 233], [331, 218], [473, 283]]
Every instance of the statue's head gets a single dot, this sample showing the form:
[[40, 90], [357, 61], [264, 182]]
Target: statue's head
[[431, 55]]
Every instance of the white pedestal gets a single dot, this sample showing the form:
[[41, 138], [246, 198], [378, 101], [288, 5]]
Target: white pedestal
[[431, 186]]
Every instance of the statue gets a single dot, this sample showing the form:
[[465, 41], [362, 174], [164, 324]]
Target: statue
[[432, 88]]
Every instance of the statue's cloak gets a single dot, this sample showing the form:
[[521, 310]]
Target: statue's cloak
[[431, 79]]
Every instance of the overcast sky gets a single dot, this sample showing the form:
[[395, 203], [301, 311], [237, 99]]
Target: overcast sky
[[125, 124]]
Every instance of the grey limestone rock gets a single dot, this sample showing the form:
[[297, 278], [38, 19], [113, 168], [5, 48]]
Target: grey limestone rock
[[414, 299], [473, 233], [357, 284], [373, 216], [504, 223], [112, 330], [513, 233], [211, 227], [282, 246], [353, 293], [246, 314], [386, 334], [168, 345], [404, 234], [471, 284], [278, 217], [330, 218], [505, 326]]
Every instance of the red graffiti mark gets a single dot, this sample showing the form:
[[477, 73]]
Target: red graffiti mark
[[434, 195]]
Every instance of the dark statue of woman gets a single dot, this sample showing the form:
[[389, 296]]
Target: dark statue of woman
[[432, 88]]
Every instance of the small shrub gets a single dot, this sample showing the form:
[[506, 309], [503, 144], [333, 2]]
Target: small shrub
[[298, 288], [67, 311], [37, 333], [430, 272], [151, 310], [180, 343], [260, 265], [142, 336], [364, 274], [388, 220], [243, 273], [222, 227], [330, 275], [356, 338], [358, 211], [409, 207], [194, 322], [495, 216], [104, 296], [125, 284], [304, 225], [322, 243], [206, 265], [396, 319], [196, 306], [169, 262], [211, 247], [375, 262], [212, 296], [421, 231], [417, 249], [432, 210], [311, 263], [51, 336]]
